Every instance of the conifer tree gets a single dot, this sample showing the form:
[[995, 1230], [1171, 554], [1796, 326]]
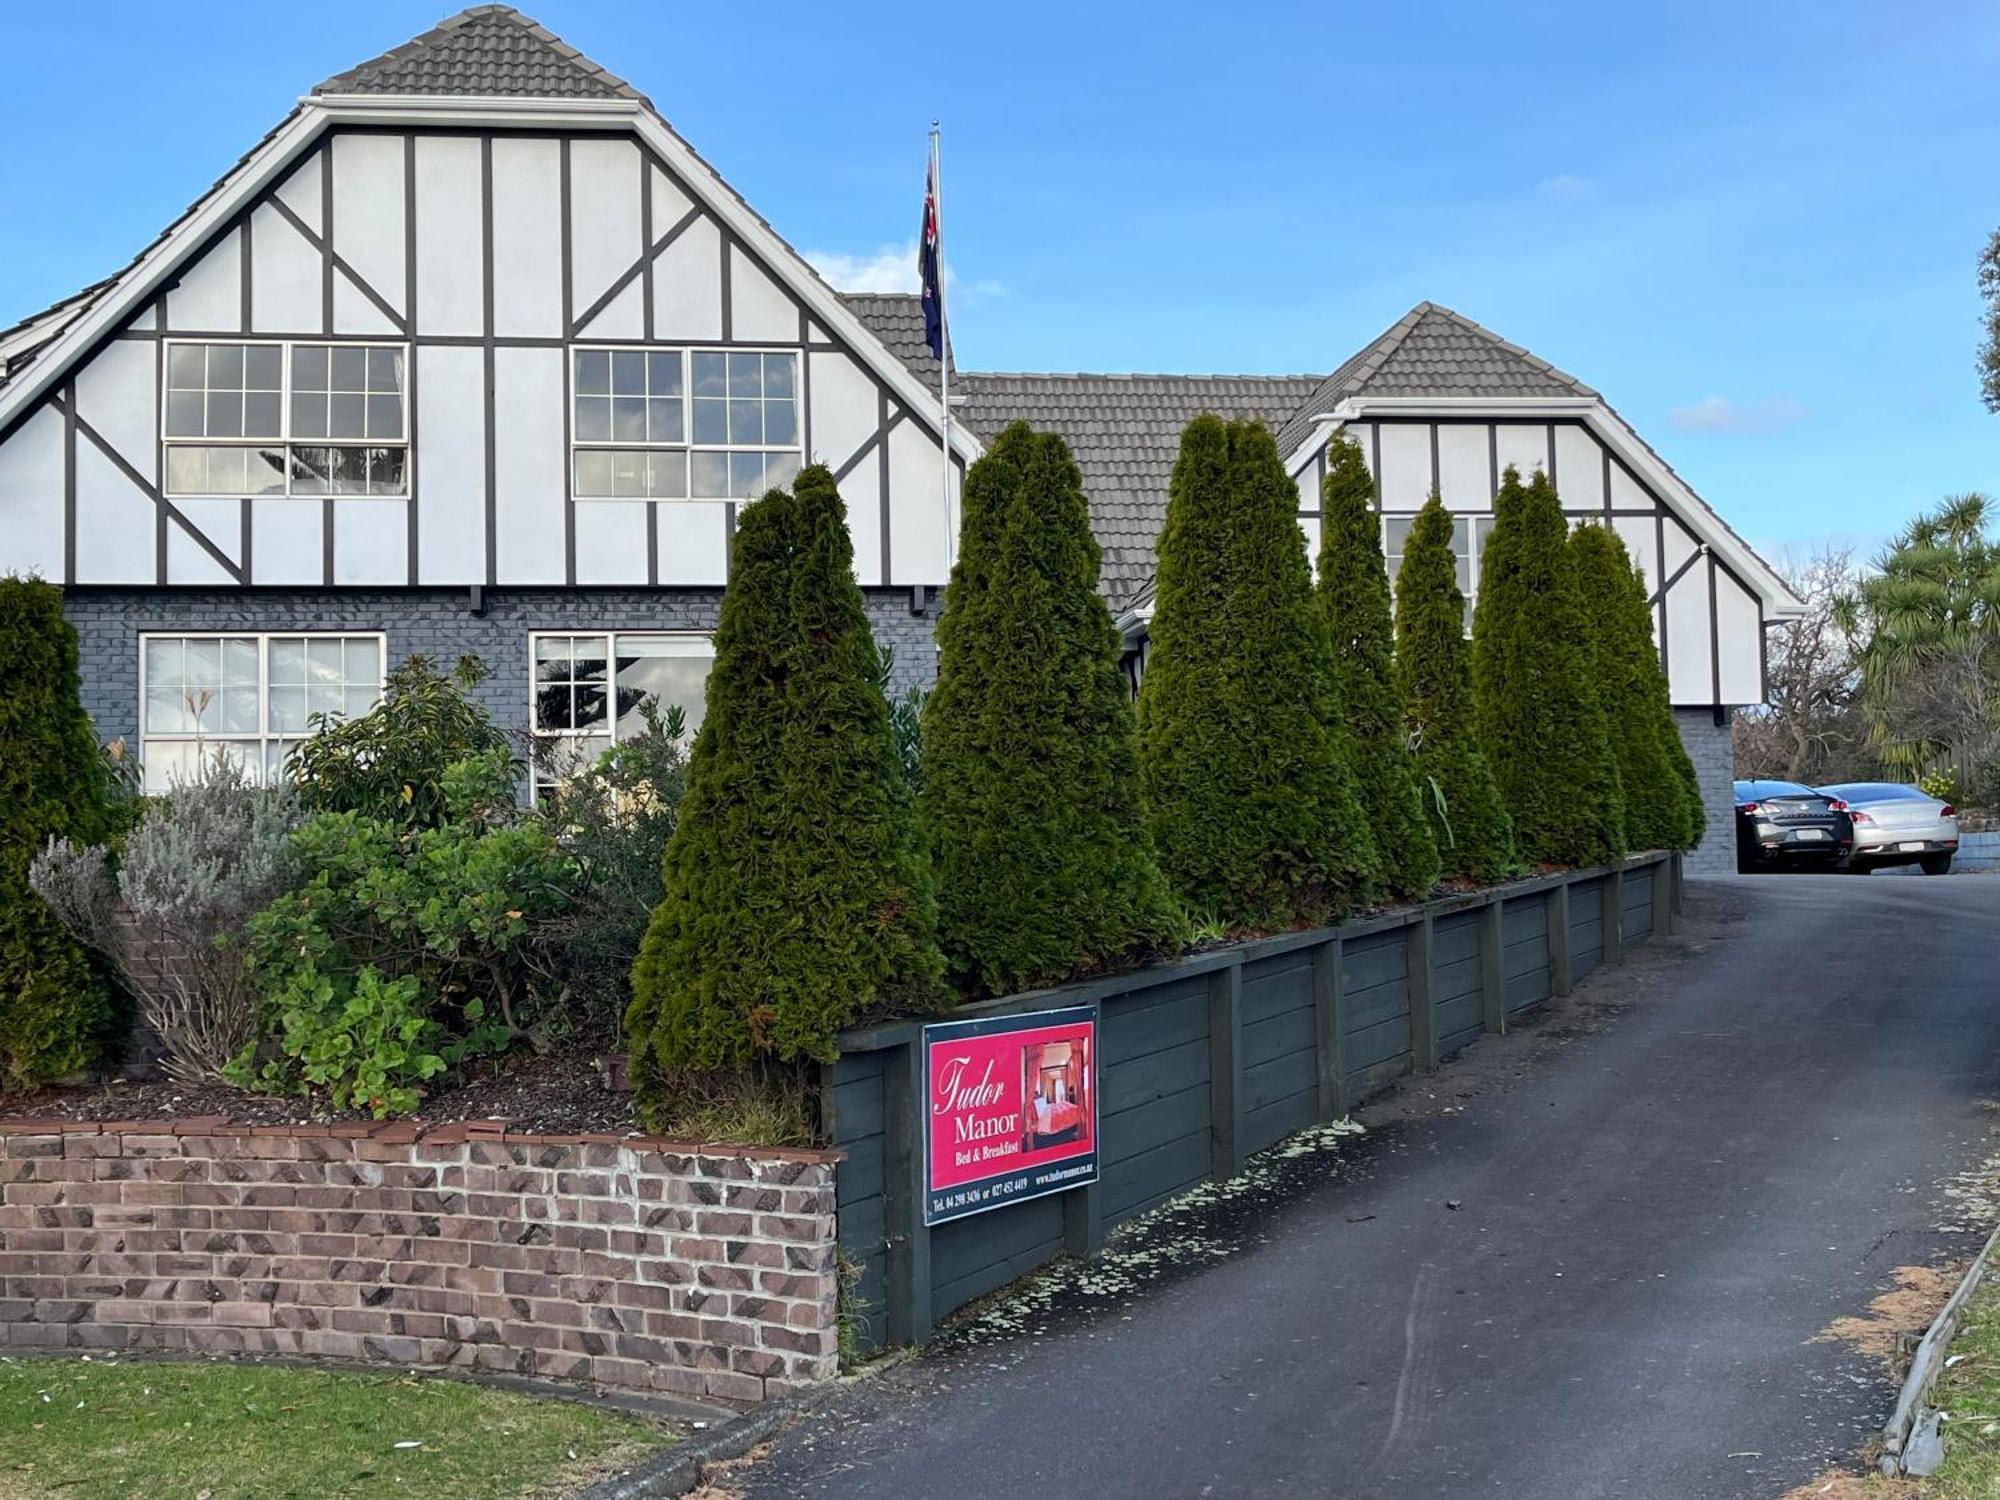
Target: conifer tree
[[1475, 839], [1031, 779], [1255, 816], [1540, 722], [55, 1007], [1354, 599], [1626, 668], [798, 893]]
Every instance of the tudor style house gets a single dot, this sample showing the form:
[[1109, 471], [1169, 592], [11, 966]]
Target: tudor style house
[[474, 354]]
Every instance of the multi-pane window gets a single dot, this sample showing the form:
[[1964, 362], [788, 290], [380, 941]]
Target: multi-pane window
[[249, 697], [285, 419], [682, 424], [589, 689], [1468, 542]]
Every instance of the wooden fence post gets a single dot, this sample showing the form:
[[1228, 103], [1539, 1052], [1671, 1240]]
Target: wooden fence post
[[909, 1288], [1083, 1220], [1678, 871], [1492, 967], [1423, 1013], [1326, 1030], [1614, 915], [1225, 1058], [1663, 897], [1558, 909]]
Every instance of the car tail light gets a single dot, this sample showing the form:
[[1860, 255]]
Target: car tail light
[[1858, 815], [1746, 807], [1834, 804], [1948, 811]]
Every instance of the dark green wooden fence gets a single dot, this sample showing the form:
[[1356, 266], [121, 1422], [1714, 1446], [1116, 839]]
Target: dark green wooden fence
[[1206, 1060]]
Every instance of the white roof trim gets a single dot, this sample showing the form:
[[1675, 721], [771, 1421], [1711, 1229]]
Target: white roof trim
[[1610, 428], [319, 112]]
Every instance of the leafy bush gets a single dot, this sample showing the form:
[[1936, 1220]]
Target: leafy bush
[[200, 863], [906, 719], [1253, 806], [1941, 783], [1540, 722], [57, 1013], [1354, 598], [391, 763], [1618, 627], [614, 818], [1475, 839], [1031, 778], [797, 892], [405, 949]]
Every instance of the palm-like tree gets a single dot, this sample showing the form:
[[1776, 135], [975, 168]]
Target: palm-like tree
[[1928, 624]]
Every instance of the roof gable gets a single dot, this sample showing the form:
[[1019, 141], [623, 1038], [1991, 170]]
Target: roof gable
[[1432, 351], [489, 51]]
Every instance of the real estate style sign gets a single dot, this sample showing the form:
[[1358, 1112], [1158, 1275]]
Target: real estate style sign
[[1011, 1110]]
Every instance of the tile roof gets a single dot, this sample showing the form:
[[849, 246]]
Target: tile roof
[[1125, 431], [1432, 351], [487, 50], [897, 319]]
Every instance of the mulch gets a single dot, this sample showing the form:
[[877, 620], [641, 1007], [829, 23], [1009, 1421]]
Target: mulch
[[553, 1095]]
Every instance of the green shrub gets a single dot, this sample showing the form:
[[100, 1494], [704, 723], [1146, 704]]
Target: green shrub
[[404, 950], [1253, 806], [1475, 839], [57, 1014], [797, 891], [392, 761], [1354, 598], [1539, 719], [1031, 780], [1618, 625]]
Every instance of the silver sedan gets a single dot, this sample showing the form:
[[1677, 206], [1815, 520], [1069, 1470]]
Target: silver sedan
[[1898, 825]]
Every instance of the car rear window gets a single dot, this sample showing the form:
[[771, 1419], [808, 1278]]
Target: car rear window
[[1879, 791], [1749, 790]]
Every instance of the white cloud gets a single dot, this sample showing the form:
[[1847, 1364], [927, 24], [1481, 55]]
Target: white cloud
[[1565, 188], [1719, 414], [892, 268]]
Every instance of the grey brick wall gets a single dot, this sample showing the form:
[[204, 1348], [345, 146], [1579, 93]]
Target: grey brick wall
[[1714, 757], [436, 622]]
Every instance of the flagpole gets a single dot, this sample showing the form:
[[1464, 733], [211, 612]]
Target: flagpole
[[944, 340]]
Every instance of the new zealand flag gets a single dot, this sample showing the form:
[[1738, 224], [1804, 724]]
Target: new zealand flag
[[927, 268]]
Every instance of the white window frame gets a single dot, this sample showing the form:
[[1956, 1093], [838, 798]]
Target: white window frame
[[610, 637], [687, 445], [287, 441], [1472, 518], [265, 734]]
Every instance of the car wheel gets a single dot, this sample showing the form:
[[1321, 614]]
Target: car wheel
[[1935, 864]]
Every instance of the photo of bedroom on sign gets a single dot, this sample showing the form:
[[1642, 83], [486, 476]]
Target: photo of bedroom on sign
[[1055, 1079]]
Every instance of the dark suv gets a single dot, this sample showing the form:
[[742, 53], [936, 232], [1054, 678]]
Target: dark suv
[[1780, 824]]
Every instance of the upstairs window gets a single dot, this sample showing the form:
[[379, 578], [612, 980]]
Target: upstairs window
[[682, 424], [1468, 542], [309, 419]]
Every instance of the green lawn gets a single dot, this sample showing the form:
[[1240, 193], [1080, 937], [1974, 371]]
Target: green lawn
[[99, 1430], [1970, 1392]]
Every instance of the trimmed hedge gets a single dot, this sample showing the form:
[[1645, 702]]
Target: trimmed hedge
[[1031, 754], [1475, 838], [798, 894], [1354, 600], [1632, 688], [56, 1010], [1540, 720], [1253, 805]]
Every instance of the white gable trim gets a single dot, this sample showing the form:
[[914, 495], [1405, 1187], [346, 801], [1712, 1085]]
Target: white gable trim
[[1612, 430], [319, 113]]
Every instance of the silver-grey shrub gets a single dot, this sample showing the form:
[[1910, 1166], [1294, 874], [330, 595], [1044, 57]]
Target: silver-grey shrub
[[202, 861]]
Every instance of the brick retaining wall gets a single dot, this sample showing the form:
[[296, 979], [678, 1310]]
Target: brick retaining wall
[[703, 1272]]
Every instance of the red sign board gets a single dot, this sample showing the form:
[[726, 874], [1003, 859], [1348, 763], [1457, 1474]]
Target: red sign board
[[1010, 1110]]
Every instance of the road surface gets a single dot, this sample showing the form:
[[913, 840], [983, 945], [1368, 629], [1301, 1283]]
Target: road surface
[[1663, 1193]]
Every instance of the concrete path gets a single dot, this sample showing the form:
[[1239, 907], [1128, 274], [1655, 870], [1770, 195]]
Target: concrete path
[[1664, 1192]]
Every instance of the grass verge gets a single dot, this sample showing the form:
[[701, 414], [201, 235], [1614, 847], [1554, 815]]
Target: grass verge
[[1969, 1393], [105, 1430]]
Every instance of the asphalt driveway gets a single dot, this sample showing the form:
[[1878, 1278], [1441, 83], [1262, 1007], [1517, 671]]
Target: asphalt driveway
[[1591, 1260]]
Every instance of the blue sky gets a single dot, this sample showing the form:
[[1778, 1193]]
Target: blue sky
[[1751, 226]]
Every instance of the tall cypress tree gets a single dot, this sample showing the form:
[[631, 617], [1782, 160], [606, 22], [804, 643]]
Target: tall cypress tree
[[798, 893], [1354, 599], [1475, 838], [1253, 806], [1540, 722], [56, 1010], [1630, 685], [1031, 776]]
